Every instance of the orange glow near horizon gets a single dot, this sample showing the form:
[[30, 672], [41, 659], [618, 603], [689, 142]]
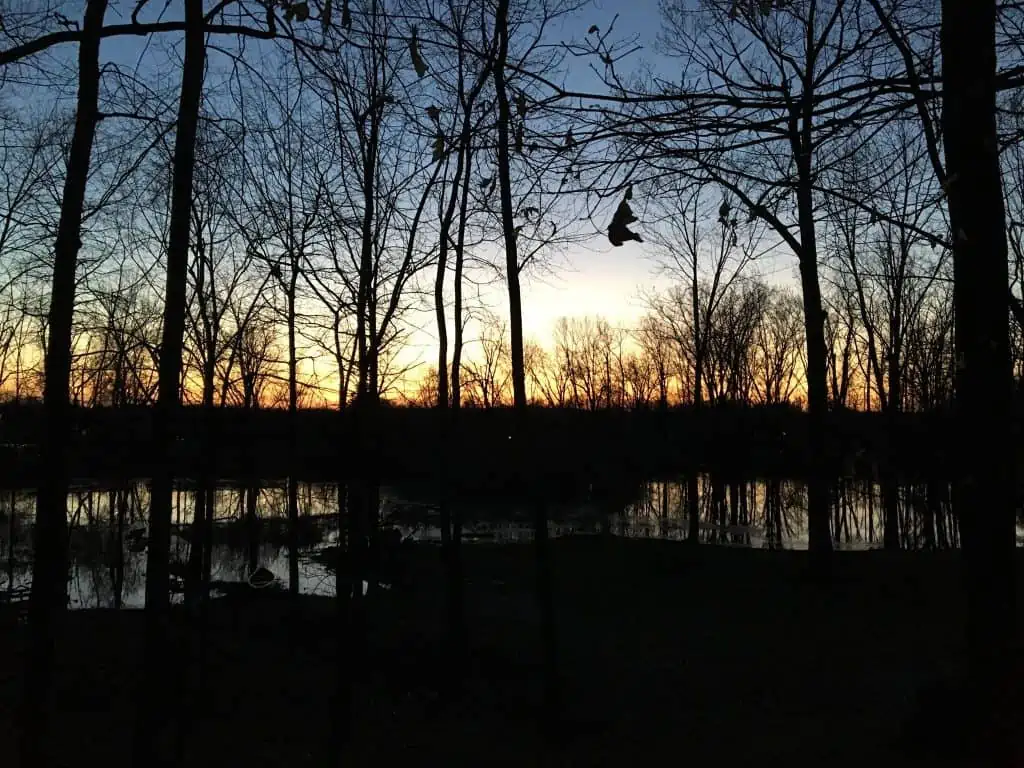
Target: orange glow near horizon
[[610, 284]]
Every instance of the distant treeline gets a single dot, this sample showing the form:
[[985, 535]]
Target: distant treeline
[[571, 447]]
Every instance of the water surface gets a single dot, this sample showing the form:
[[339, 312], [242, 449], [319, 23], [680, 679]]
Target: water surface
[[251, 526]]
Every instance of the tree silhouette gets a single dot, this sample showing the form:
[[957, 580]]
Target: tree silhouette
[[984, 387], [48, 599]]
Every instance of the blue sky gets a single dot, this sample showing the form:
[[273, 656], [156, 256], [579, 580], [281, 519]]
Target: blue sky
[[593, 280], [601, 279]]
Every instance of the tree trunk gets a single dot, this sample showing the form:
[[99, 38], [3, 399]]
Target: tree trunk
[[718, 505], [293, 404], [341, 708], [151, 746], [350, 617], [457, 618], [450, 539], [48, 598], [931, 505], [693, 480], [211, 435], [443, 396], [734, 510], [522, 438], [460, 242], [200, 549], [350, 631], [890, 486], [819, 535], [252, 525], [12, 531], [193, 585], [209, 494], [121, 498], [984, 383], [891, 507]]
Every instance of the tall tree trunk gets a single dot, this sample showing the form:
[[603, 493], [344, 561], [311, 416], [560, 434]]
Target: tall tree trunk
[[351, 619], [818, 528], [252, 526], [693, 480], [444, 438], [718, 504], [460, 242], [211, 434], [443, 396], [201, 534], [457, 617], [734, 505], [931, 506], [888, 400], [523, 436], [890, 485], [984, 383], [293, 404], [122, 513], [151, 747], [194, 576], [12, 531], [448, 401], [890, 505], [48, 598], [341, 706], [209, 499]]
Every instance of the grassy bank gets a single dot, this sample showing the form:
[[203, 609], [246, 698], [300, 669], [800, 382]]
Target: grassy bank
[[667, 652]]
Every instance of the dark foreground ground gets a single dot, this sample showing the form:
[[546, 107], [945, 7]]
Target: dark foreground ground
[[669, 655]]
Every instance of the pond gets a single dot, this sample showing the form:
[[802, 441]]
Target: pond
[[106, 522]]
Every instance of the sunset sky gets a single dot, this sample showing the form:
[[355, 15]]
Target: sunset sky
[[592, 279], [598, 279]]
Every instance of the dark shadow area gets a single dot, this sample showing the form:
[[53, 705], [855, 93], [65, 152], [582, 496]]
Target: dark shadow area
[[806, 675]]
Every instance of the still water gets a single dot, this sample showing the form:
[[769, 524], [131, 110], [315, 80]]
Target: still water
[[108, 569]]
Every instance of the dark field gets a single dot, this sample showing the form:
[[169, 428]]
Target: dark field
[[668, 653]]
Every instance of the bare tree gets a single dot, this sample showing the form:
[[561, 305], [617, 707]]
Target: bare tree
[[286, 195], [655, 345], [732, 338], [255, 357], [706, 264], [150, 746], [48, 598], [488, 373], [890, 269], [778, 349], [122, 326], [984, 385], [780, 96]]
